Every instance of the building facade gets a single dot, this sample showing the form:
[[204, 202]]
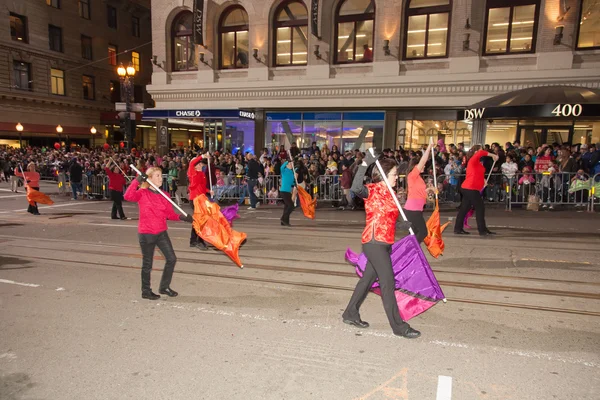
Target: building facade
[[356, 73], [58, 66]]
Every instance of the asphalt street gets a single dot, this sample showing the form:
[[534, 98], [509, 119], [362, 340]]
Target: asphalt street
[[522, 319]]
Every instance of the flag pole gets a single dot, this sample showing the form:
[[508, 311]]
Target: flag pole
[[127, 177], [25, 184], [159, 191], [209, 174], [490, 174], [434, 174]]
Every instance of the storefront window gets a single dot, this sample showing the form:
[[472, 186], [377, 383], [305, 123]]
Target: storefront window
[[233, 36], [415, 134], [589, 25], [239, 135], [291, 34], [427, 28], [354, 31], [511, 26], [184, 50], [276, 134]]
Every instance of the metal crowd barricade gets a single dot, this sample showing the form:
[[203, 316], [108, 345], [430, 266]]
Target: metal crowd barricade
[[547, 190], [329, 188], [594, 192], [95, 186]]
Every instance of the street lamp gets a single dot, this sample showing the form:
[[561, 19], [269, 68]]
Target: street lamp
[[59, 129], [19, 129], [126, 77], [93, 132]]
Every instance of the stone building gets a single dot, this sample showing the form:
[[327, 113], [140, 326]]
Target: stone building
[[58, 61], [389, 73]]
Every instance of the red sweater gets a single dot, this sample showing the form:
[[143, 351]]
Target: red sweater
[[32, 178], [475, 179], [155, 210], [197, 180], [115, 181]]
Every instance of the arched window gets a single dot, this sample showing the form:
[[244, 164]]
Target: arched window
[[184, 50], [427, 25], [588, 36], [354, 27], [233, 38], [291, 34], [511, 26]]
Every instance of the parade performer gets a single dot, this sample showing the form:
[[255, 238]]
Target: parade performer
[[197, 186], [377, 239], [155, 210], [32, 180], [286, 189], [417, 195], [471, 192], [116, 182]]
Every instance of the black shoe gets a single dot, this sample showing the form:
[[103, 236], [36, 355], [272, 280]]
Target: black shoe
[[150, 296], [409, 334], [490, 232], [462, 232], [124, 218], [485, 234], [285, 223], [114, 218], [169, 292], [36, 213], [200, 246], [358, 323]]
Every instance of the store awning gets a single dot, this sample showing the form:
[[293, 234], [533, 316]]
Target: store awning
[[153, 113], [539, 102]]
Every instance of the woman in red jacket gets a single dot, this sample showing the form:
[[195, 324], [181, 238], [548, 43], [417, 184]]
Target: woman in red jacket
[[197, 186], [116, 182], [155, 210], [471, 192], [32, 178], [377, 239]]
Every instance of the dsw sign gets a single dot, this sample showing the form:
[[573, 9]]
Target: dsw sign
[[473, 113]]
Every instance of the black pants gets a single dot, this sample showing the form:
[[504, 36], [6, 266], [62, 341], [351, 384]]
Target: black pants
[[418, 223], [379, 265], [471, 198], [194, 238], [288, 206], [117, 198], [148, 242], [33, 208]]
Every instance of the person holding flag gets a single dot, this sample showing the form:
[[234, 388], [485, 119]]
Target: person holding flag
[[155, 210], [286, 190], [417, 194], [116, 182], [377, 240], [197, 185], [32, 180]]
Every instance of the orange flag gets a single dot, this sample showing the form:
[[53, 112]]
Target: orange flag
[[434, 241], [210, 224], [307, 203], [33, 196]]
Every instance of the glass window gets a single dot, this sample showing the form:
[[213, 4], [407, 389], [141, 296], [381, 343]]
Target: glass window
[[112, 54], [135, 60], [22, 75], [233, 34], [55, 38], [115, 91], [589, 25], [184, 50], [291, 34], [53, 3], [511, 26], [18, 27], [135, 26], [88, 87], [111, 16], [86, 47], [57, 78], [354, 31], [276, 134], [427, 28], [84, 9]]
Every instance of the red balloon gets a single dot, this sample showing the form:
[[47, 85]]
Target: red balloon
[[122, 144], [106, 146], [57, 145]]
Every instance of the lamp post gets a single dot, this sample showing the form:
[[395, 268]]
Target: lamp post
[[59, 130], [93, 132], [126, 77], [20, 129]]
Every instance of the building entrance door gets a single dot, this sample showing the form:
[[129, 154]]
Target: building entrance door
[[535, 136]]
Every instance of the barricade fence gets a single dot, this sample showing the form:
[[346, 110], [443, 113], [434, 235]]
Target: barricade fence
[[534, 191]]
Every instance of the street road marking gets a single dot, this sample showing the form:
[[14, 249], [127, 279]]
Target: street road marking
[[8, 356], [45, 207], [18, 283], [14, 195], [389, 391], [556, 261], [444, 389]]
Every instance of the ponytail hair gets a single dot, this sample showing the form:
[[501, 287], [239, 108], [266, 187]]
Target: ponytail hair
[[387, 164], [412, 164], [149, 172], [473, 150]]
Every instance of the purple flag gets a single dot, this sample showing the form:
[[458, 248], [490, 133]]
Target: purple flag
[[230, 213]]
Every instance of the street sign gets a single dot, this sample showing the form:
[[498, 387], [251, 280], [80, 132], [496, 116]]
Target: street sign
[[135, 107], [123, 115]]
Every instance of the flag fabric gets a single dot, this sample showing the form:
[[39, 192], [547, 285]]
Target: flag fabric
[[212, 226], [433, 241], [34, 196], [230, 213], [417, 289], [307, 203]]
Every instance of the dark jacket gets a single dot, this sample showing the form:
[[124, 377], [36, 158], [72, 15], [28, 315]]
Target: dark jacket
[[75, 172], [254, 168]]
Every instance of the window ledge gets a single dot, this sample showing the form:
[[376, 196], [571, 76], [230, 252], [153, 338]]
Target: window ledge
[[583, 52], [289, 68], [509, 56], [182, 73], [353, 65], [425, 60]]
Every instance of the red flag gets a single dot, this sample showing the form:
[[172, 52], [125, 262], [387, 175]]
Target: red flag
[[307, 203], [434, 241], [213, 227], [33, 196]]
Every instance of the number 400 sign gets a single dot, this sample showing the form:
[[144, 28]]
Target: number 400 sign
[[567, 110]]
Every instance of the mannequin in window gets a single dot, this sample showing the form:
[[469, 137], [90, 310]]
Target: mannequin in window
[[242, 57], [367, 54]]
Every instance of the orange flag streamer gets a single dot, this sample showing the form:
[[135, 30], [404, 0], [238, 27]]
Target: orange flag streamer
[[33, 196], [307, 203], [210, 224], [434, 241]]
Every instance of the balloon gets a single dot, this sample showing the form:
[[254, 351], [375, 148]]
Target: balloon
[[57, 145], [106, 146], [122, 144]]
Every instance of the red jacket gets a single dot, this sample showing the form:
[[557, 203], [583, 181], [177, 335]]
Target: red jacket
[[475, 179], [382, 214], [155, 210], [115, 181], [197, 180]]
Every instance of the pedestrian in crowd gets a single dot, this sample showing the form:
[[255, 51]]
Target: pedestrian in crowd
[[417, 195], [75, 177], [346, 183], [377, 239], [471, 192], [31, 178], [116, 182], [286, 190], [154, 210], [197, 187], [181, 194], [254, 169]]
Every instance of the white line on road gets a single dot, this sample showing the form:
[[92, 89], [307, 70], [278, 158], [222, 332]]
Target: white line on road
[[45, 207], [18, 283], [444, 389]]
